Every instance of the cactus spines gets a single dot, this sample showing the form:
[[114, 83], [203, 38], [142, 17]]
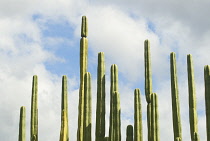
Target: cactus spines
[[113, 88], [87, 107], [64, 111], [83, 70], [100, 105], [154, 118], [207, 99], [175, 98], [192, 98], [22, 124], [138, 136], [148, 84], [84, 27], [34, 110], [129, 133], [64, 127], [116, 117]]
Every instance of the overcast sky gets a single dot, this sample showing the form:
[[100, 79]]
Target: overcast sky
[[41, 37]]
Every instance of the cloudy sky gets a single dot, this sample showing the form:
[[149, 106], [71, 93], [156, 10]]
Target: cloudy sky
[[42, 37]]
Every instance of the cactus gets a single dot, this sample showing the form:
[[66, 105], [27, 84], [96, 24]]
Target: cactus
[[116, 117], [64, 126], [207, 99], [106, 139], [192, 98], [154, 118], [113, 88], [138, 136], [34, 110], [129, 133], [83, 70], [87, 107], [22, 124], [175, 99], [64, 111], [148, 84], [100, 106]]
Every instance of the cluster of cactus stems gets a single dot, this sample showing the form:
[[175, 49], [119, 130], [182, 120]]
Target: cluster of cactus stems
[[84, 130]]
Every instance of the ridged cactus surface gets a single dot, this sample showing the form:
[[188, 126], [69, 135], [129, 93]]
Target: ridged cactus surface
[[100, 105], [129, 133], [154, 118], [22, 124], [192, 99], [207, 99], [138, 134], [34, 110], [64, 135], [116, 117], [83, 70], [87, 108], [148, 84], [113, 88], [175, 99]]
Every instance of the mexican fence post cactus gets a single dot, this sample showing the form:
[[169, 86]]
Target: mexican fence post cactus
[[154, 118], [64, 135], [64, 126], [116, 117], [113, 88], [207, 99], [175, 99], [148, 84], [192, 99], [34, 110], [129, 133], [83, 70], [100, 106], [22, 124], [138, 134], [87, 107]]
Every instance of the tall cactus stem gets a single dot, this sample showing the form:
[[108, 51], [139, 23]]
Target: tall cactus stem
[[34, 110], [100, 105], [84, 28], [207, 99], [113, 88], [154, 118], [138, 135], [87, 108], [22, 124], [83, 70], [148, 84], [64, 111], [129, 133], [64, 127], [175, 99], [192, 98], [116, 117]]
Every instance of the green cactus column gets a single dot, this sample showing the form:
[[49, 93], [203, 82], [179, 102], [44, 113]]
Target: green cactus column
[[22, 124], [148, 84], [34, 110], [138, 135], [106, 139], [100, 105], [129, 133], [192, 98], [87, 108], [116, 117], [154, 118], [83, 70], [64, 110], [113, 88], [64, 127], [175, 99], [207, 99]]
